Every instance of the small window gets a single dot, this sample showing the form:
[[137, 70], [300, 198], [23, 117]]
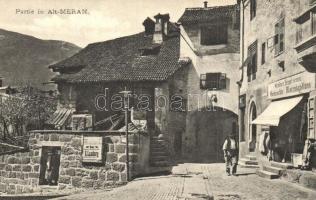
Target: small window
[[213, 81], [253, 9], [214, 35], [263, 53], [279, 37], [154, 50], [252, 63]]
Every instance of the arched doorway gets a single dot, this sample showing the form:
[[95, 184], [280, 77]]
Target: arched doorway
[[205, 134], [252, 127]]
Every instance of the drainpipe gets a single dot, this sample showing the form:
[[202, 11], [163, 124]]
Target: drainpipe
[[242, 5], [239, 83]]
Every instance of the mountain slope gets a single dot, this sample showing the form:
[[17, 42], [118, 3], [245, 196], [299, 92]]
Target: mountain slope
[[24, 59]]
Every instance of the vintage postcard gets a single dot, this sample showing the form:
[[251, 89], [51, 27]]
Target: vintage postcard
[[158, 100]]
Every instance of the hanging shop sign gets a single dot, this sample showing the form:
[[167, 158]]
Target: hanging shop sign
[[294, 85], [92, 149]]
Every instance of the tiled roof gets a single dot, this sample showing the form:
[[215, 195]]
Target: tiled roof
[[196, 15], [121, 60]]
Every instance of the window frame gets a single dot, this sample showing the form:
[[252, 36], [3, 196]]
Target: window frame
[[219, 81], [263, 53], [252, 66], [253, 9], [279, 44]]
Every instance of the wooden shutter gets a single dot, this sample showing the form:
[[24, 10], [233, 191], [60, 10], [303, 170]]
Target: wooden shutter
[[222, 81], [263, 53], [311, 115], [281, 33], [276, 39]]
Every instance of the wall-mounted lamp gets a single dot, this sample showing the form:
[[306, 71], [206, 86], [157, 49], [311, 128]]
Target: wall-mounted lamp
[[269, 72], [281, 65]]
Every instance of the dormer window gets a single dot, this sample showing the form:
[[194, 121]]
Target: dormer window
[[152, 50], [214, 35]]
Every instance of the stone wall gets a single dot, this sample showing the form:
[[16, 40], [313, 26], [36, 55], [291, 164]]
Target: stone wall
[[20, 172]]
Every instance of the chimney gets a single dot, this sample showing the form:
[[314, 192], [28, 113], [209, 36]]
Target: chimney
[[161, 28], [1, 81], [149, 25], [205, 4]]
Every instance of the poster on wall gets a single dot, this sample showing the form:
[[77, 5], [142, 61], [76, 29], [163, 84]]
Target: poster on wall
[[92, 149]]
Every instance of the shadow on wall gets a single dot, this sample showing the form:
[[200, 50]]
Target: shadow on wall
[[205, 134]]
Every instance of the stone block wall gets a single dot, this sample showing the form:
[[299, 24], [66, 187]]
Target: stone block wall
[[20, 172]]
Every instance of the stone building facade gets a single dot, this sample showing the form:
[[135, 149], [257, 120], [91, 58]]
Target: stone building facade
[[21, 172], [276, 86], [210, 39]]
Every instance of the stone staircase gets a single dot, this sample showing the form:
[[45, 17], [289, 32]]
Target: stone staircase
[[159, 155], [274, 171], [250, 161]]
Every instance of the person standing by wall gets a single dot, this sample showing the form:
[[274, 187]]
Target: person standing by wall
[[230, 148]]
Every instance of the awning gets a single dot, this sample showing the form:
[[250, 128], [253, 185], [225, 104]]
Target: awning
[[60, 117], [272, 114]]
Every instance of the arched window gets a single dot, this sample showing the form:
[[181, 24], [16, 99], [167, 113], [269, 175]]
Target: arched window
[[252, 127]]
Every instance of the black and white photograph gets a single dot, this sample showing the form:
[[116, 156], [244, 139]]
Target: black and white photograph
[[158, 100]]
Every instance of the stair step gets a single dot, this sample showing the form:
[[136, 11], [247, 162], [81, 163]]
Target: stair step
[[243, 165], [159, 158], [157, 148], [159, 153], [160, 163], [158, 142], [281, 165], [248, 162], [266, 174], [274, 170], [251, 157]]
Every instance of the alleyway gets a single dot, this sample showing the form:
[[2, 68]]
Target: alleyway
[[203, 179]]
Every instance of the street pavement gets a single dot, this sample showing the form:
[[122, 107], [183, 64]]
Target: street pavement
[[201, 181]]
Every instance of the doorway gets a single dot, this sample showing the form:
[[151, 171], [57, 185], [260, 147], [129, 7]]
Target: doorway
[[50, 162], [252, 127]]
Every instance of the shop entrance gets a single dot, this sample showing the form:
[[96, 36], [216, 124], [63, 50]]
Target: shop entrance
[[50, 162], [252, 127]]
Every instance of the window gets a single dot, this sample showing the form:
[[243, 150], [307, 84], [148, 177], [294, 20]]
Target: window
[[252, 63], [213, 81], [263, 53], [214, 35], [279, 37], [154, 50], [253, 9]]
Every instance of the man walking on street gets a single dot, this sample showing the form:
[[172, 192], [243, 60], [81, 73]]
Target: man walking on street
[[230, 149]]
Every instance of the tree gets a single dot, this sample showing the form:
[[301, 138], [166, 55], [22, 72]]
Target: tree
[[25, 110]]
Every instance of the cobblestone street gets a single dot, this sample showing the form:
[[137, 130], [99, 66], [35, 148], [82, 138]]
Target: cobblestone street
[[197, 181]]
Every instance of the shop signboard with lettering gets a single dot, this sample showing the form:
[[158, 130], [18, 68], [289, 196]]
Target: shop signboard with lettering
[[92, 149], [294, 85]]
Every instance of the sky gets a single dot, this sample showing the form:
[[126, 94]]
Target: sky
[[101, 19]]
